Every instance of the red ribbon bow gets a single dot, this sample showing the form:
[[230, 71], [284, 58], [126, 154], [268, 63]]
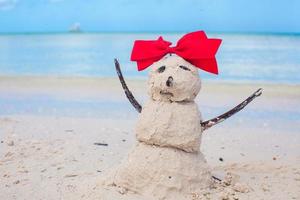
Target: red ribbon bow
[[194, 47]]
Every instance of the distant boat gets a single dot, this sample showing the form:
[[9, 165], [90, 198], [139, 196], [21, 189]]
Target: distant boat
[[75, 28]]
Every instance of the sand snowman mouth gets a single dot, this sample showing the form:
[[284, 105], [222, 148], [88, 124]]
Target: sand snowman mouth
[[166, 93]]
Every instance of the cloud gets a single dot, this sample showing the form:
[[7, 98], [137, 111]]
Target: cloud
[[7, 4]]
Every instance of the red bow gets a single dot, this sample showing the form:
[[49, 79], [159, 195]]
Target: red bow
[[194, 47]]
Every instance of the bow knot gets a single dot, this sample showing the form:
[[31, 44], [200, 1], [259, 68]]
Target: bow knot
[[171, 50], [194, 47]]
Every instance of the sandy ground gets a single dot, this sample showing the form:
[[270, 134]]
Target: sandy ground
[[53, 156]]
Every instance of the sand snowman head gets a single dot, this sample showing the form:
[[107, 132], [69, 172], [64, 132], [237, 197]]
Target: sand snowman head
[[173, 79]]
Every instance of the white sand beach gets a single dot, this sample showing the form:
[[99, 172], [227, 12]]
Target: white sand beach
[[49, 153]]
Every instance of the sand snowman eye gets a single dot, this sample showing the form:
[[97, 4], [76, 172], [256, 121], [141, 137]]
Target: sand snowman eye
[[184, 68], [161, 69]]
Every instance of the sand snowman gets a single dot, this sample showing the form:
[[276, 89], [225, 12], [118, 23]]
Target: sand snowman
[[166, 162]]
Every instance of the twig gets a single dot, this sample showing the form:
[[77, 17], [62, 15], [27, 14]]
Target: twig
[[206, 124], [216, 178], [100, 144], [209, 123], [129, 95]]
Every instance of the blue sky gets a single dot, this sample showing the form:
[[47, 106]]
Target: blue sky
[[155, 15]]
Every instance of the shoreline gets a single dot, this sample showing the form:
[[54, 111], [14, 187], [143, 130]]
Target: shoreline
[[88, 78], [84, 94]]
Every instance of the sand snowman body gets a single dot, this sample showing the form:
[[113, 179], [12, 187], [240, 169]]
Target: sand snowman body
[[166, 162], [170, 124]]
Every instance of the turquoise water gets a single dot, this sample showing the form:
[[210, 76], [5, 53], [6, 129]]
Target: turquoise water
[[242, 57]]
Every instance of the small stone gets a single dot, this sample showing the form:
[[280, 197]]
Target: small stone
[[235, 197], [122, 190], [23, 171], [6, 175], [265, 188], [221, 159], [195, 196], [10, 143], [8, 154], [206, 193], [70, 175], [238, 187], [274, 158]]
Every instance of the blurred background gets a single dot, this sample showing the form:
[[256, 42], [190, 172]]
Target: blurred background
[[79, 39]]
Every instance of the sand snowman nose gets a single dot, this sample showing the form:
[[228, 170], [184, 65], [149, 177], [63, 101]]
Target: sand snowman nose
[[169, 82]]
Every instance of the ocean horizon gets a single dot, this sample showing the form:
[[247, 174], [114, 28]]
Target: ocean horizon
[[251, 57]]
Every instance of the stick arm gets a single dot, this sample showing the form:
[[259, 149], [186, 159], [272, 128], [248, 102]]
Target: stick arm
[[209, 123], [128, 93]]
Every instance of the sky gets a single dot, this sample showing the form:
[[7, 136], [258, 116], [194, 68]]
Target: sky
[[271, 16]]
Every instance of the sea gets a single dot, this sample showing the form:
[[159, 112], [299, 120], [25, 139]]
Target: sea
[[247, 58], [251, 58]]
